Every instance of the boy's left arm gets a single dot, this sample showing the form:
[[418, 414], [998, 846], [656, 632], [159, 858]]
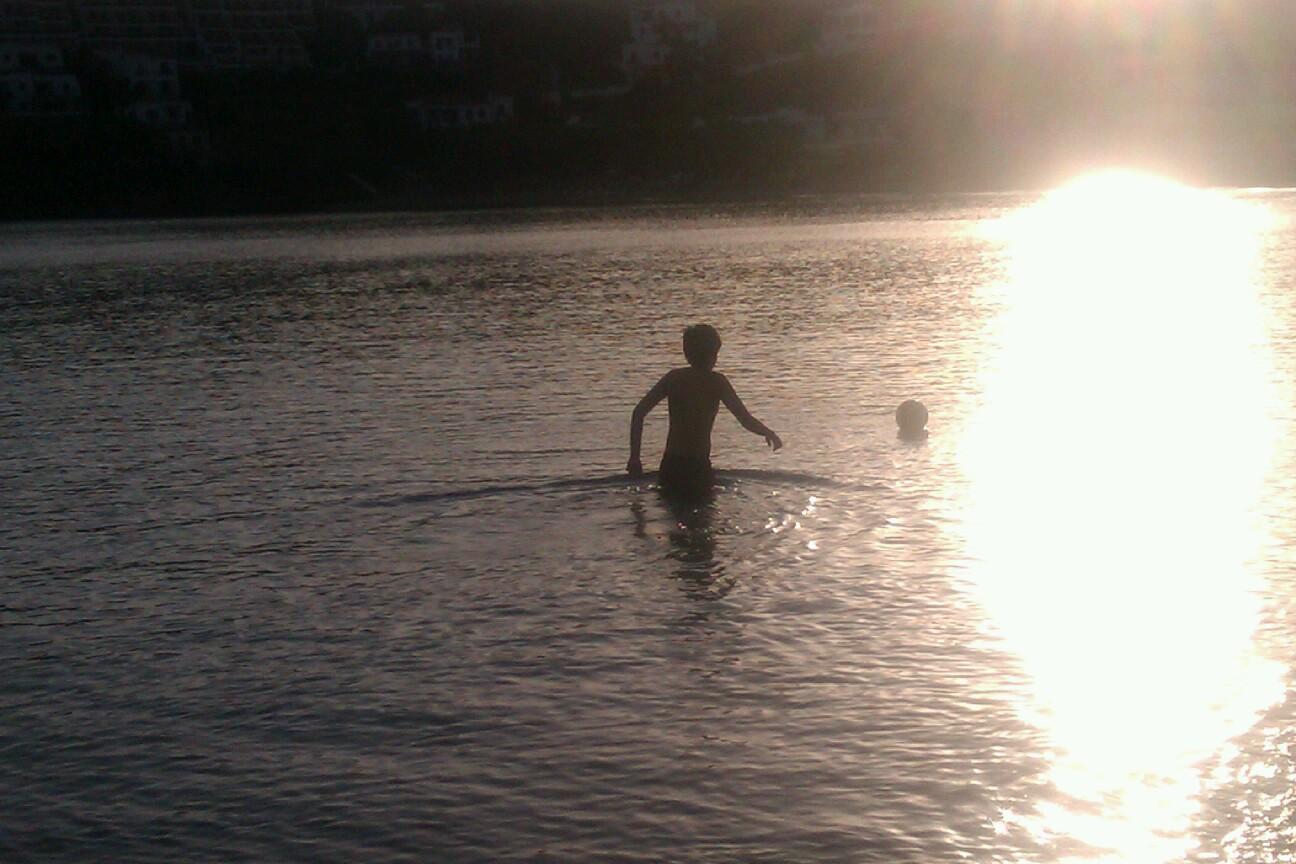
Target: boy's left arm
[[740, 412]]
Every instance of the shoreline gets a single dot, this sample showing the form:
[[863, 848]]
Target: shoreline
[[413, 205]]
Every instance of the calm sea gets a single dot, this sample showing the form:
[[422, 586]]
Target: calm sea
[[314, 544]]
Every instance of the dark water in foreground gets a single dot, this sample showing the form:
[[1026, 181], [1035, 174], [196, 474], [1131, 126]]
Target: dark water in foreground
[[313, 547]]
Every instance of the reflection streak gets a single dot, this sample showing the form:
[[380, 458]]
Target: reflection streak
[[1114, 472]]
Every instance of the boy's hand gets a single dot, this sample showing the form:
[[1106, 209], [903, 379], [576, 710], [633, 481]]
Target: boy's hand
[[634, 467], [774, 441]]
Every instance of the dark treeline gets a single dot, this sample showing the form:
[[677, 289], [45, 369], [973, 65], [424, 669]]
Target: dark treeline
[[937, 95]]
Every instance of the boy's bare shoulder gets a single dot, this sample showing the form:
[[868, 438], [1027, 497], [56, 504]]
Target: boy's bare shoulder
[[667, 382], [716, 384]]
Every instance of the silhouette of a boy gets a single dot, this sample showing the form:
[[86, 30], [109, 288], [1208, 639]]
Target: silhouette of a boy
[[693, 395]]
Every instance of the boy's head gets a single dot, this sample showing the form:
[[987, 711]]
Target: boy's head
[[911, 417], [701, 346]]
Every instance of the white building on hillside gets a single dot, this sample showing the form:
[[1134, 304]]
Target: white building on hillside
[[408, 47], [36, 21], [146, 76], [658, 28], [370, 14], [431, 114], [161, 114], [155, 99], [138, 26], [849, 26], [398, 48], [34, 82], [252, 34], [449, 47]]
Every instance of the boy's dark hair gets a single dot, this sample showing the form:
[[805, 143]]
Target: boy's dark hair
[[701, 345]]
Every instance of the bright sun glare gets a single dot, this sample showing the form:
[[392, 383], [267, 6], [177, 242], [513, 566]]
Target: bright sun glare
[[1114, 471]]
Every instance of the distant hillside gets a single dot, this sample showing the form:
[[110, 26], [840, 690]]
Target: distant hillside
[[116, 107]]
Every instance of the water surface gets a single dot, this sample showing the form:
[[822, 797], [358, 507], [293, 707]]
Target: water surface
[[315, 549]]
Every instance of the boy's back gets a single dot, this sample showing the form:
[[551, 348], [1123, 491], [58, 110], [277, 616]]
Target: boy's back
[[693, 399]]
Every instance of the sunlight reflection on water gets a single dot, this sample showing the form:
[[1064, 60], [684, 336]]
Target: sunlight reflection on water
[[1115, 468]]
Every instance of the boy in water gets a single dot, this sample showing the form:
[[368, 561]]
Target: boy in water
[[693, 396]]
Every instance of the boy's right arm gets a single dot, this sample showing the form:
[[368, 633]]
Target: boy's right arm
[[658, 392]]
